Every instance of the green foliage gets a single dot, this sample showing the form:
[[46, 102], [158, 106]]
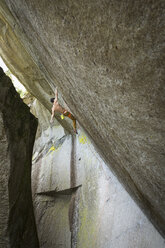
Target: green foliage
[[8, 73], [21, 93]]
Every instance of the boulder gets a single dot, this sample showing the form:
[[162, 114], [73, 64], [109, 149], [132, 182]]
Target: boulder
[[17, 134], [106, 57]]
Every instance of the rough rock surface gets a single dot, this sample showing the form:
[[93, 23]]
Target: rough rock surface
[[99, 213], [4, 196], [17, 133], [106, 57]]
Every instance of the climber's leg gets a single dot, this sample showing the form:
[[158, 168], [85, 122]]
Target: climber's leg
[[68, 114]]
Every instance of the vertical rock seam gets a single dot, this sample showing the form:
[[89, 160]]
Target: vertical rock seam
[[20, 128], [74, 208]]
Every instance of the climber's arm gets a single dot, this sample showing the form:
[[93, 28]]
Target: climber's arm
[[56, 95], [53, 110]]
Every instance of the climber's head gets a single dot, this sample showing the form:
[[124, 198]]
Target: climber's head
[[52, 100]]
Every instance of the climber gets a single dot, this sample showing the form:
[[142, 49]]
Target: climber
[[58, 108]]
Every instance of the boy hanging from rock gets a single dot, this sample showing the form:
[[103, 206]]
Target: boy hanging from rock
[[58, 108]]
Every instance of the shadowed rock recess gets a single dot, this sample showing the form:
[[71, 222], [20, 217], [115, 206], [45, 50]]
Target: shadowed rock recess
[[107, 59], [17, 133]]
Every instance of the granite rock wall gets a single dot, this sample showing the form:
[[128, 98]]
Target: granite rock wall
[[107, 59], [17, 134]]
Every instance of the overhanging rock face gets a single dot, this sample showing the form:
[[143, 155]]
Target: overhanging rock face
[[106, 57], [17, 133]]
